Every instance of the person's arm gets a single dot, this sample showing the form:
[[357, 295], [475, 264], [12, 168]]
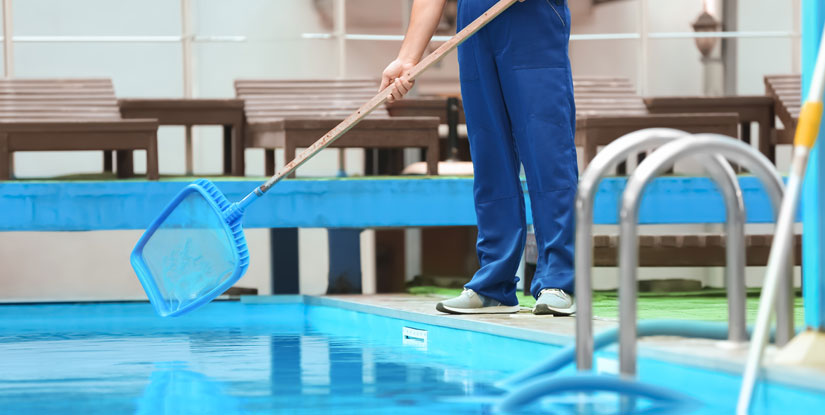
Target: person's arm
[[423, 22]]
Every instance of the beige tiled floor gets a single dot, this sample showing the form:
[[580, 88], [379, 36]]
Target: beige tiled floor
[[426, 305]]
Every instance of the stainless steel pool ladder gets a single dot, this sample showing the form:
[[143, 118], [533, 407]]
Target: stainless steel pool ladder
[[661, 160], [607, 159]]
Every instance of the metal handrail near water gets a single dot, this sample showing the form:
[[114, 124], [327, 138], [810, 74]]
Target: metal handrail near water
[[713, 151], [661, 160], [606, 160]]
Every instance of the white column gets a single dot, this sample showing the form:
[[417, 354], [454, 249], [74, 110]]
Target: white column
[[340, 30], [368, 267], [8, 53], [643, 47], [796, 40], [8, 40], [412, 258], [186, 51]]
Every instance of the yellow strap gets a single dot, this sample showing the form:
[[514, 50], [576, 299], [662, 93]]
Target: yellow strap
[[807, 128]]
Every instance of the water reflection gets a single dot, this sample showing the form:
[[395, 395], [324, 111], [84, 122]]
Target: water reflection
[[315, 373], [174, 390]]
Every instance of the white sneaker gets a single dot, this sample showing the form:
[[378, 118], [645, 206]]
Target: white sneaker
[[470, 302], [554, 301]]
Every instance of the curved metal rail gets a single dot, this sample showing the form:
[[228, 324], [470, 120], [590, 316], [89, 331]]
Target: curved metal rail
[[607, 159], [657, 163]]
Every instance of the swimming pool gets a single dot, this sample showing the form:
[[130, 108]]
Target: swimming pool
[[289, 357]]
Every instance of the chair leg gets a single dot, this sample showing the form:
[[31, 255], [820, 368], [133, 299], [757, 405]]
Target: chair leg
[[370, 164], [621, 168], [237, 144], [108, 165], [588, 147], [5, 158], [269, 162], [432, 158], [125, 164], [766, 141], [227, 150], [152, 172], [589, 152]]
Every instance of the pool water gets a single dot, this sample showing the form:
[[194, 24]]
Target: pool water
[[233, 358]]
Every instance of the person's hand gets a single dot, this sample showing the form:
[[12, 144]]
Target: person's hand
[[394, 76]]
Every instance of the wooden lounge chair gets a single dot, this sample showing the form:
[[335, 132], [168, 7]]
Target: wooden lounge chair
[[786, 91], [292, 114], [427, 106], [608, 108], [227, 113], [71, 114], [755, 108], [452, 128]]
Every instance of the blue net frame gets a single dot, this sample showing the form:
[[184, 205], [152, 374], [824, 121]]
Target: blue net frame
[[193, 252]]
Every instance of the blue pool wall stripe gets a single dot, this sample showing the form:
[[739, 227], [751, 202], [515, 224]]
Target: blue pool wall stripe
[[359, 203]]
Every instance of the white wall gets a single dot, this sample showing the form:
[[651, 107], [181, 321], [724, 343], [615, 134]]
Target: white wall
[[674, 64], [61, 266], [274, 48]]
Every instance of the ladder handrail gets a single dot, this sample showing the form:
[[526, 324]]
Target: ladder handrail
[[606, 160], [661, 160]]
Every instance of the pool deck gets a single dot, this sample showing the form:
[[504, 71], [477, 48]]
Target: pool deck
[[708, 354]]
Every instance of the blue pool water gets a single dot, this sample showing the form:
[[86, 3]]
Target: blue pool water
[[230, 358]]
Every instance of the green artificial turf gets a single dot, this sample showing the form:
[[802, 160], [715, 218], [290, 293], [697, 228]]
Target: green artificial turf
[[706, 305]]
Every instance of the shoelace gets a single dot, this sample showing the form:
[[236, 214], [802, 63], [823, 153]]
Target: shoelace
[[555, 291], [470, 293]]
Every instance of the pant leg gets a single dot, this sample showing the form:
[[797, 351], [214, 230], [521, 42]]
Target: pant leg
[[535, 75], [498, 195]]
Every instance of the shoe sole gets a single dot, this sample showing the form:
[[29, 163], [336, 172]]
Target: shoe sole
[[501, 309], [544, 309]]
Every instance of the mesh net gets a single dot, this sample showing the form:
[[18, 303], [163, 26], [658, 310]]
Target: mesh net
[[190, 254]]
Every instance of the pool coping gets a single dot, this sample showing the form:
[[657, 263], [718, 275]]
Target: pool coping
[[710, 355]]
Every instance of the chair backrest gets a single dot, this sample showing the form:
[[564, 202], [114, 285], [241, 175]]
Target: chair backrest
[[786, 91], [57, 99], [271, 99], [606, 96], [267, 99]]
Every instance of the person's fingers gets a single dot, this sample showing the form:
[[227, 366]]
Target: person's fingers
[[404, 84], [396, 94], [390, 98], [393, 96], [401, 87], [385, 81], [408, 84]]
